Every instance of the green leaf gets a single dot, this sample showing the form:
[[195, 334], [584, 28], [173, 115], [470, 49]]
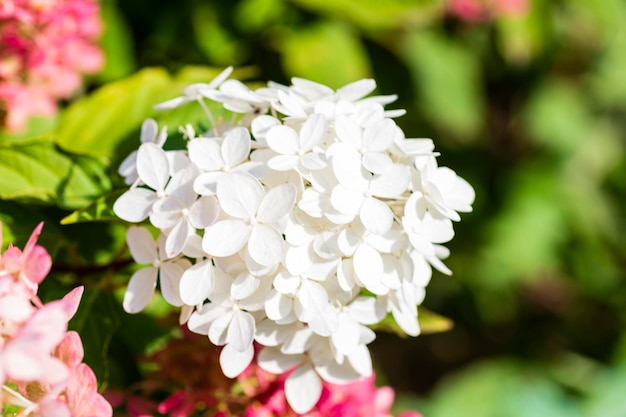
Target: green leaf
[[254, 15], [96, 321], [448, 81], [327, 52], [215, 41], [96, 124], [500, 388], [40, 172], [100, 210], [375, 14], [430, 322], [558, 118], [116, 43]]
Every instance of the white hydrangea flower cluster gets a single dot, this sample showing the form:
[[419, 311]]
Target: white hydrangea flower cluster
[[299, 225]]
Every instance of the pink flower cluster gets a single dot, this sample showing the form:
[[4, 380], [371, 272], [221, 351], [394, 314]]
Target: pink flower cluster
[[45, 46], [484, 10], [200, 386], [41, 369], [356, 399]]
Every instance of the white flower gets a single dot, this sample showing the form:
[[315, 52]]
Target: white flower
[[196, 92], [297, 150], [149, 133], [254, 222], [299, 222], [146, 251]]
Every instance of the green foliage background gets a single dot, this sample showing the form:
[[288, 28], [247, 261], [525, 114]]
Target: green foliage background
[[530, 109]]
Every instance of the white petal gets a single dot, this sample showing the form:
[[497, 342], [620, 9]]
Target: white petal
[[218, 332], [286, 283], [272, 360], [313, 132], [236, 146], [379, 136], [361, 360], [367, 310], [303, 389], [140, 289], [177, 237], [141, 244], [346, 200], [392, 183], [206, 154], [376, 216], [277, 203], [169, 280], [346, 337], [166, 212], [234, 362], [149, 130], [265, 246], [135, 205], [278, 306], [241, 331], [225, 237], [298, 259], [196, 283], [368, 266], [376, 162], [349, 132], [269, 333], [283, 140], [314, 161], [283, 162], [153, 166], [299, 341], [239, 194], [204, 212], [357, 89], [206, 183], [244, 286]]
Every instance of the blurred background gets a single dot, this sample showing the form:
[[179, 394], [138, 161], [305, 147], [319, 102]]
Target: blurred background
[[526, 99]]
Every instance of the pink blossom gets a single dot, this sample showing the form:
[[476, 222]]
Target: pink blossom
[[45, 46], [484, 10]]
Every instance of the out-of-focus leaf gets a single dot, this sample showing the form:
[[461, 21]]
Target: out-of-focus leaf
[[373, 14], [96, 321], [447, 77], [608, 82], [37, 127], [524, 239], [116, 43], [522, 39], [40, 172], [500, 388], [557, 117], [327, 52], [606, 398], [19, 221], [254, 15], [99, 210], [429, 322], [215, 41], [96, 124]]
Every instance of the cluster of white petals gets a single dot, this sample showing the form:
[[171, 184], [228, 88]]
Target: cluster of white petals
[[306, 221]]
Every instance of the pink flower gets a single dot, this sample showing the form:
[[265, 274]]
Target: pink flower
[[484, 10], [82, 395], [45, 46], [29, 267]]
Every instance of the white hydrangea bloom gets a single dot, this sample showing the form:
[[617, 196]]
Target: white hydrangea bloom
[[299, 223]]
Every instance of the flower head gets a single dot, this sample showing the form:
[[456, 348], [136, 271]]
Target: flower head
[[298, 231]]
